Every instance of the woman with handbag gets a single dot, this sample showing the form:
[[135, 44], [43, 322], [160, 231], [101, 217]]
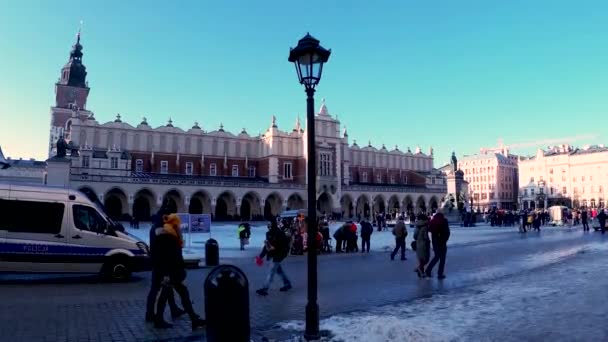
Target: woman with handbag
[[422, 243], [171, 266]]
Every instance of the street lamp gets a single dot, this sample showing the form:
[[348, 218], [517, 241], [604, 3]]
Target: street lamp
[[308, 58]]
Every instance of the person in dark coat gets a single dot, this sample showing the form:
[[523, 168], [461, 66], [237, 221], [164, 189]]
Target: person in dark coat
[[366, 234], [440, 234], [339, 236], [169, 262], [601, 218], [585, 220], [278, 245], [326, 238], [157, 278]]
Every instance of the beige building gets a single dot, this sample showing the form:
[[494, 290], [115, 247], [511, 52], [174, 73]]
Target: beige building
[[576, 177], [492, 178]]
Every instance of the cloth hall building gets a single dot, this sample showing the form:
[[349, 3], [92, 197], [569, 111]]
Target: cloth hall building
[[132, 169]]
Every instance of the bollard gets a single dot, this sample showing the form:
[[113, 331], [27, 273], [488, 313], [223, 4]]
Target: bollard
[[212, 253], [227, 305]]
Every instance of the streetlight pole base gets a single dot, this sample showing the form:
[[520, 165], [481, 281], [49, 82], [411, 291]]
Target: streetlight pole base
[[312, 322]]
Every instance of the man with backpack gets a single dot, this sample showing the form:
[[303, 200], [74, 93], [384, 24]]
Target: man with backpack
[[400, 233], [440, 232], [277, 247], [244, 232]]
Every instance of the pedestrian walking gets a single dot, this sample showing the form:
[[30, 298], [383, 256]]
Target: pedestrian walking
[[440, 233], [244, 233], [423, 243], [585, 220], [400, 233], [601, 218], [277, 246], [324, 229], [157, 275], [366, 235], [170, 264]]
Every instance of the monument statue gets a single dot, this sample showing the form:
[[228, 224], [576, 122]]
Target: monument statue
[[62, 147], [454, 162]]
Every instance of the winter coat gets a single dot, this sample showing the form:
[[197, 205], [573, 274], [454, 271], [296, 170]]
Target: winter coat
[[366, 230], [584, 216], [601, 217], [400, 230], [278, 244], [423, 243], [244, 231], [168, 259], [440, 230]]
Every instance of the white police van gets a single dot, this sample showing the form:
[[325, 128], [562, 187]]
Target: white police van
[[45, 229]]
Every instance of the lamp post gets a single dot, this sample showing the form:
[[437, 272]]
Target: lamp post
[[308, 58]]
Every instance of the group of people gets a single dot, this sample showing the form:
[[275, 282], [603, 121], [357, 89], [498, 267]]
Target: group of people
[[532, 220], [439, 231], [346, 237], [168, 272]]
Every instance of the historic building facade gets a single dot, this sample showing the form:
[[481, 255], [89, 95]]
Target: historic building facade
[[565, 175], [132, 169], [493, 179]]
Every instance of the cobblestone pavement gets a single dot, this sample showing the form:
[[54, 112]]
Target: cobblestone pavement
[[70, 308]]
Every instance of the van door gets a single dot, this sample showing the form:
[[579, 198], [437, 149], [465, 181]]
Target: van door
[[34, 238], [87, 237]]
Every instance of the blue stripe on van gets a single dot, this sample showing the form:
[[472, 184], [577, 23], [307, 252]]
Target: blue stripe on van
[[55, 249]]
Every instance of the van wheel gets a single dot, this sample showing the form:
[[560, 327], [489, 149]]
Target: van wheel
[[117, 270]]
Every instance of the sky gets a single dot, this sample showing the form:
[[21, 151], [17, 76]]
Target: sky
[[454, 75]]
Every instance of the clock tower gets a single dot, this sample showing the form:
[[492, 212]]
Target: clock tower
[[71, 92]]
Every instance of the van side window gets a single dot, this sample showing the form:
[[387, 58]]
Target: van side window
[[31, 217], [87, 218]]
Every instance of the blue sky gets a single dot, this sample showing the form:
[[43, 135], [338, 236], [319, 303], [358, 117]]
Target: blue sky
[[455, 75]]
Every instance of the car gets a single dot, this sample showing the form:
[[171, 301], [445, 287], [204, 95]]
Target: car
[[56, 230]]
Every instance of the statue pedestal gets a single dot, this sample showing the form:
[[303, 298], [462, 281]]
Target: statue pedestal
[[58, 171], [454, 217]]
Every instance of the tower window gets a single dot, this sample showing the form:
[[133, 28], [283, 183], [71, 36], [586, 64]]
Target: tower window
[[189, 168], [251, 172], [287, 171], [164, 167], [213, 169], [235, 170], [114, 163], [85, 162]]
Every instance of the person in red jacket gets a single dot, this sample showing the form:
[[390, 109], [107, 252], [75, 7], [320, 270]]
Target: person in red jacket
[[440, 233]]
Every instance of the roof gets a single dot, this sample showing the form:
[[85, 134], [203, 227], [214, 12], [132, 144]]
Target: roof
[[590, 149], [498, 156], [29, 163]]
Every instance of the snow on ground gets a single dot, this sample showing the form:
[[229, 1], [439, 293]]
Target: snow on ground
[[523, 307], [226, 236]]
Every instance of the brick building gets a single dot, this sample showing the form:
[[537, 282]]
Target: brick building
[[134, 168]]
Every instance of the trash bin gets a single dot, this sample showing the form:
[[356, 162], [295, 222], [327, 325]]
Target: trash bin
[[212, 253], [226, 293]]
